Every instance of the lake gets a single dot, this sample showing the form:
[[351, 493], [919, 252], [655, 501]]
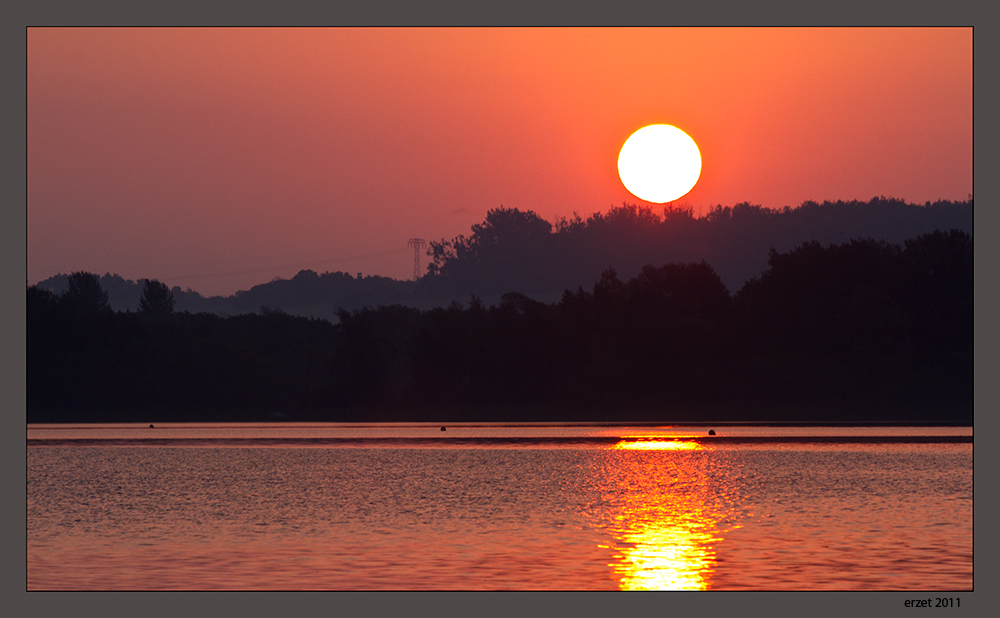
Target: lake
[[313, 506]]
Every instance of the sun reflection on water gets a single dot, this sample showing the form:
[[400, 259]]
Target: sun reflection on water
[[657, 445], [667, 516], [667, 558]]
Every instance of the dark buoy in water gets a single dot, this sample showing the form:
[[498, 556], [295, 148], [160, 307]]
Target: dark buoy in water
[[711, 432], [443, 429], [150, 425]]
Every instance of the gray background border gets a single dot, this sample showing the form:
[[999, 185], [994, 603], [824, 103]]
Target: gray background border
[[399, 13]]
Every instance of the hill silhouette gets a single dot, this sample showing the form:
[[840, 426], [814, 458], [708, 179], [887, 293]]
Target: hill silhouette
[[514, 250]]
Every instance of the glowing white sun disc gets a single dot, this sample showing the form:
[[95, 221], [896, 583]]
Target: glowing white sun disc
[[659, 163]]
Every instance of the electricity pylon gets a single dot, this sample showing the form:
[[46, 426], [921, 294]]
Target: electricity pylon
[[417, 244]]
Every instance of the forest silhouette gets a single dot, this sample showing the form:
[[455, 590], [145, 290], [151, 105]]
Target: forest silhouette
[[857, 331], [513, 250]]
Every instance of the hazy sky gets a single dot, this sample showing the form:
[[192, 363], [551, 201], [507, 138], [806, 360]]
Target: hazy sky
[[217, 159]]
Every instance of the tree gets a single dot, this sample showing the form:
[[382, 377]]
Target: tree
[[85, 294], [157, 299], [503, 251], [40, 302]]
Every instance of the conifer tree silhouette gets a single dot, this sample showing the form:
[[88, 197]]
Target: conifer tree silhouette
[[157, 299], [85, 294]]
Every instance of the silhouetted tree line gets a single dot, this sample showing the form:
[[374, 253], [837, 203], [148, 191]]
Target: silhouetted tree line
[[862, 330], [86, 362], [308, 294], [518, 250]]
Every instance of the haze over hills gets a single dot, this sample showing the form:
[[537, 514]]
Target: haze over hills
[[518, 251]]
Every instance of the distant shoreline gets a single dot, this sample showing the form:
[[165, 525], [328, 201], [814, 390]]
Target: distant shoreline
[[389, 424]]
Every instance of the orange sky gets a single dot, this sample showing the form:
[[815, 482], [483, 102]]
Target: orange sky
[[217, 159]]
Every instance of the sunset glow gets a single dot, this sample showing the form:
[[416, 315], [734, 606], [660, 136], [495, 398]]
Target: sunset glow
[[221, 158], [526, 308]]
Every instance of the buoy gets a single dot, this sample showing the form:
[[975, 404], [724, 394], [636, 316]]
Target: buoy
[[711, 432]]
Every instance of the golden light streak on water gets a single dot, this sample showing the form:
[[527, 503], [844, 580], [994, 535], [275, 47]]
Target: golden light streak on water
[[657, 445], [669, 519], [666, 558]]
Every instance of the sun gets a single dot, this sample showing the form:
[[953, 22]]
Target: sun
[[659, 163]]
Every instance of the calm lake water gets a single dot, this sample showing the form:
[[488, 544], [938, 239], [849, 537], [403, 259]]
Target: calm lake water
[[490, 506]]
